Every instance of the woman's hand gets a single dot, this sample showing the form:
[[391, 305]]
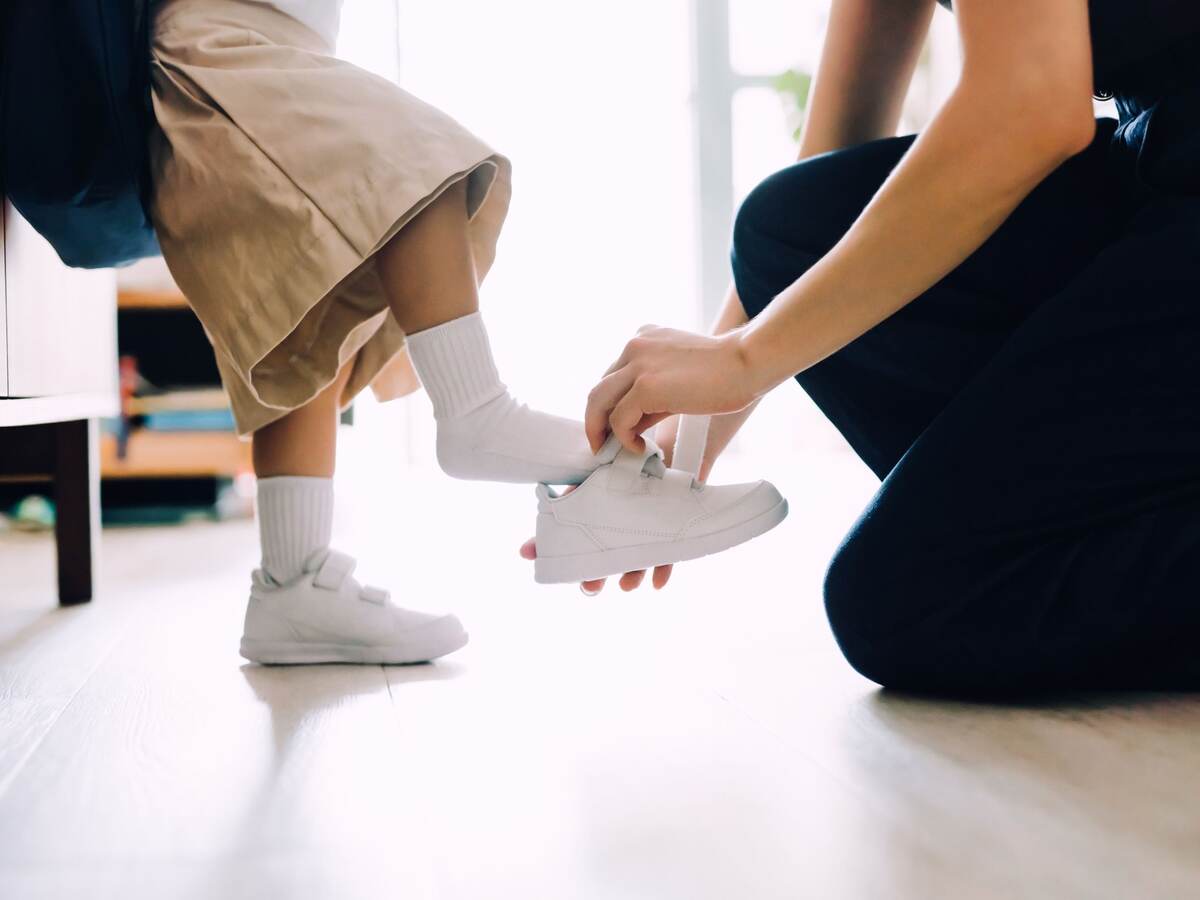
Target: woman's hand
[[663, 371], [629, 581], [721, 430]]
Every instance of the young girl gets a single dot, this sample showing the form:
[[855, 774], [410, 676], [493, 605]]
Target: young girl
[[314, 215]]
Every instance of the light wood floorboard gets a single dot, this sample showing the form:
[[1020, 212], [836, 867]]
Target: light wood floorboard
[[706, 742]]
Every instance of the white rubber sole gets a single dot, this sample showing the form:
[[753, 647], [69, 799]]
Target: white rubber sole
[[430, 645], [604, 563]]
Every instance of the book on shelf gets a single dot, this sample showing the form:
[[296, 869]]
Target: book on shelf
[[189, 420], [202, 399]]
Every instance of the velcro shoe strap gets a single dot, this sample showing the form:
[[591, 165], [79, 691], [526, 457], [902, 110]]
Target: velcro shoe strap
[[677, 483], [334, 571], [375, 595], [628, 466]]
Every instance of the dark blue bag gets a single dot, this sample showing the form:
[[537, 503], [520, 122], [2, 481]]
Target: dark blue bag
[[74, 117]]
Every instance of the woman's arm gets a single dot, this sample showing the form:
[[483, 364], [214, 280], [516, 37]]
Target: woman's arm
[[867, 60], [868, 56], [1022, 106], [870, 51]]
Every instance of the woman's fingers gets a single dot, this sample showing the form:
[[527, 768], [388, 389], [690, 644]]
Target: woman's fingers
[[649, 420], [635, 413], [601, 402], [631, 435], [622, 360], [661, 576], [613, 403], [631, 581]]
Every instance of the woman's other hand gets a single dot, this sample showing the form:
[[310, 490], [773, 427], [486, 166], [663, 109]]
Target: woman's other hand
[[629, 581]]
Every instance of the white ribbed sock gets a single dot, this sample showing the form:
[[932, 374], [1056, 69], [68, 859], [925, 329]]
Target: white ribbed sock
[[484, 434], [295, 520]]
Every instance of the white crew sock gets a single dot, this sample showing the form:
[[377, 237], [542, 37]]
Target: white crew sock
[[295, 520], [484, 434]]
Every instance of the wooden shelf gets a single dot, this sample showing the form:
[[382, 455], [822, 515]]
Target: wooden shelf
[[61, 408], [151, 300], [176, 454]]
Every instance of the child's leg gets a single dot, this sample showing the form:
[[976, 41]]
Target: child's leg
[[305, 606], [429, 273], [294, 460], [428, 268], [304, 442]]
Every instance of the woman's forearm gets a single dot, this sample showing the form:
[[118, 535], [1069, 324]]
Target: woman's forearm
[[870, 50], [987, 148]]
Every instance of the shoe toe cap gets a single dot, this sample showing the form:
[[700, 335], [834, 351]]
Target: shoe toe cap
[[429, 636]]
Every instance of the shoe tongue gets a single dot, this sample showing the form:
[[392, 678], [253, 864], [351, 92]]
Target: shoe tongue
[[655, 467]]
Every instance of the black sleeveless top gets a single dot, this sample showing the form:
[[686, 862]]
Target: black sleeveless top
[[1146, 55], [1129, 36]]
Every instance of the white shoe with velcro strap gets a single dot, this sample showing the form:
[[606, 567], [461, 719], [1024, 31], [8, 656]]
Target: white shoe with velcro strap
[[635, 513], [325, 616]]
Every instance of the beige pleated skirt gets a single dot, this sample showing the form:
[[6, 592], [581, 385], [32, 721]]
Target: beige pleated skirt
[[279, 172]]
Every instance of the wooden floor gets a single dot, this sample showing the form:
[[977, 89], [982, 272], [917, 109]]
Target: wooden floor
[[707, 742]]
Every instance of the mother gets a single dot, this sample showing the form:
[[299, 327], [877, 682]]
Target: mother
[[1002, 316]]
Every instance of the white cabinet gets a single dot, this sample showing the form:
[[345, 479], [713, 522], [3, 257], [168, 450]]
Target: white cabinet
[[58, 376], [59, 324]]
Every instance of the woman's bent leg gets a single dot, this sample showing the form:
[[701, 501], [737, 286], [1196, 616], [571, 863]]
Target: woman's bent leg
[[1044, 531]]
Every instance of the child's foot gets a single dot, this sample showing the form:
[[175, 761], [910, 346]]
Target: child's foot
[[637, 514], [483, 433], [504, 440], [324, 615]]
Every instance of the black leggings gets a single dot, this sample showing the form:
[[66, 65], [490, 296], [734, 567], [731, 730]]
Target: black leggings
[[1035, 420]]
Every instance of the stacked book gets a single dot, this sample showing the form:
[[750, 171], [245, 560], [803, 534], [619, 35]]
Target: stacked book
[[183, 409]]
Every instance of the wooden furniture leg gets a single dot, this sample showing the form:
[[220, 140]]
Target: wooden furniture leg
[[67, 454], [77, 504]]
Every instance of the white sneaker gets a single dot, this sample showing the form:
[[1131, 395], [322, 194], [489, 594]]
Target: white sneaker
[[635, 513], [326, 616]]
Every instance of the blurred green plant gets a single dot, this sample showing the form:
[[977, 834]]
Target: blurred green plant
[[792, 87]]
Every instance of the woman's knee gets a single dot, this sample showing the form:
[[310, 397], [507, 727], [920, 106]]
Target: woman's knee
[[897, 620], [877, 611], [855, 589], [796, 215], [767, 252]]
